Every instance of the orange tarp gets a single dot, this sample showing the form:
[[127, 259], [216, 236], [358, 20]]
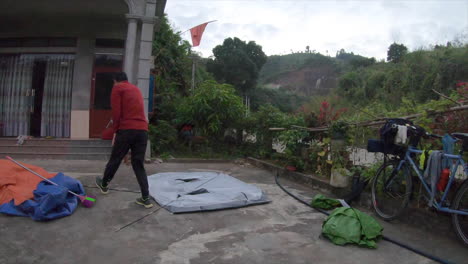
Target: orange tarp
[[17, 183]]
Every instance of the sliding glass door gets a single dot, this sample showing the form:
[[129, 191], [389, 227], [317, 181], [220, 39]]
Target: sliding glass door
[[35, 94], [15, 94]]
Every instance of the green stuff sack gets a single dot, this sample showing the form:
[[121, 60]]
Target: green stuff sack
[[350, 226], [322, 202]]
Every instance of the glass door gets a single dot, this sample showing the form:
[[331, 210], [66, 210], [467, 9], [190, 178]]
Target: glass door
[[35, 94]]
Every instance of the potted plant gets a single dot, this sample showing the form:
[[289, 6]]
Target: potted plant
[[340, 176]]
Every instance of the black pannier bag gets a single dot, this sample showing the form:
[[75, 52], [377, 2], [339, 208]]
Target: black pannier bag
[[388, 132]]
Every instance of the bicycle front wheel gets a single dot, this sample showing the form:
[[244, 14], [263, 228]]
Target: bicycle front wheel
[[460, 222], [391, 190]]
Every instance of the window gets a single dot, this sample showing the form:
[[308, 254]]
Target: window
[[110, 43], [37, 42], [62, 42]]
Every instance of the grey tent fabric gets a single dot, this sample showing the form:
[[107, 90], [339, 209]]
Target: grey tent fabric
[[182, 192]]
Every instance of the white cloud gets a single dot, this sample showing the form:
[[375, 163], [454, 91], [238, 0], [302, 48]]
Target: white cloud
[[364, 27]]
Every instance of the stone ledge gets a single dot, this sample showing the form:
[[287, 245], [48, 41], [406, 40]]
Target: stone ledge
[[307, 179], [426, 219]]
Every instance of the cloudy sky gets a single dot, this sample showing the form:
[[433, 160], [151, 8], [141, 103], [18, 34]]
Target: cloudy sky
[[364, 27]]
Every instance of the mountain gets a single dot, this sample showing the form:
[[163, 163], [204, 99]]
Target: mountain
[[308, 73]]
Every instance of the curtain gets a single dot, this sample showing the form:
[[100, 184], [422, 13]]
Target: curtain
[[15, 90], [56, 104]]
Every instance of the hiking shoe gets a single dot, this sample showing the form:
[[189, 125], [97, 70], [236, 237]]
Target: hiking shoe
[[144, 202], [104, 189]]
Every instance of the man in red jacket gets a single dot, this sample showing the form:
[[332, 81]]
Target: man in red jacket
[[131, 133]]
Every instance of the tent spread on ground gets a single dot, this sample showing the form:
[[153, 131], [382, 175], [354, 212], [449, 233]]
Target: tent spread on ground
[[24, 194], [183, 192]]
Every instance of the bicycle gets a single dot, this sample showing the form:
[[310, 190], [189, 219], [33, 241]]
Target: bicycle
[[392, 186]]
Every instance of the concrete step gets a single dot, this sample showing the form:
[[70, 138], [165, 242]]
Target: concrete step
[[56, 142], [40, 148], [54, 149], [60, 156]]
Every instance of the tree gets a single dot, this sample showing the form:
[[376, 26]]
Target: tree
[[343, 55], [349, 83], [173, 70], [238, 63], [212, 108], [359, 61], [171, 58], [396, 52]]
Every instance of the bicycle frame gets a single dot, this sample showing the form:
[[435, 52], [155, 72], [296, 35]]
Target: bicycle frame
[[459, 161]]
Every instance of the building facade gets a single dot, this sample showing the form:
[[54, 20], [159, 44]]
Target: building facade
[[57, 59]]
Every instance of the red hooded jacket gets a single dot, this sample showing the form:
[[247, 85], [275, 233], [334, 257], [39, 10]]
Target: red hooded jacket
[[128, 111]]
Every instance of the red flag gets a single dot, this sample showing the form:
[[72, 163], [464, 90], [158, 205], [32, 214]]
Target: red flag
[[197, 33]]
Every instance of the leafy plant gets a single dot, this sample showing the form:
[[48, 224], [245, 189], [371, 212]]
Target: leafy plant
[[212, 108], [260, 122], [369, 172], [163, 137], [319, 153], [294, 146]]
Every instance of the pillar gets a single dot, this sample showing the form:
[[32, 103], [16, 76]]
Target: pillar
[[144, 58], [81, 91], [130, 44]]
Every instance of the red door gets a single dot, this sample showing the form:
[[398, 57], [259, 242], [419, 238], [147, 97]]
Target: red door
[[100, 111]]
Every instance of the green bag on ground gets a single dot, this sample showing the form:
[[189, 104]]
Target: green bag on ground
[[348, 225], [322, 202]]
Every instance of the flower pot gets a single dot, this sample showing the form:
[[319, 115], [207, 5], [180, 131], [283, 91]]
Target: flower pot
[[339, 178]]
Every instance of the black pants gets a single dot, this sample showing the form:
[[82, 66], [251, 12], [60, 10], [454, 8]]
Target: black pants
[[125, 140]]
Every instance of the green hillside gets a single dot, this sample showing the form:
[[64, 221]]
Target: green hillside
[[361, 80]]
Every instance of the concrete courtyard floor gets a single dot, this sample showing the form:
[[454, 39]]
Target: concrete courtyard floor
[[117, 230]]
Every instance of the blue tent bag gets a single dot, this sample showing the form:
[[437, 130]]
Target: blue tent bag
[[50, 201]]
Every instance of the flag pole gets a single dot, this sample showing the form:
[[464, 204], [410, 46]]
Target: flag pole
[[195, 44]]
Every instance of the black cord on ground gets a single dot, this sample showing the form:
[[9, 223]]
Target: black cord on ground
[[112, 189], [297, 198], [417, 251]]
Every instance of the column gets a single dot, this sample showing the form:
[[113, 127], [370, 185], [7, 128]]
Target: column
[[81, 87], [130, 47], [144, 58]]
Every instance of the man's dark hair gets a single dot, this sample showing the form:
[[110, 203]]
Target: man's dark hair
[[120, 76]]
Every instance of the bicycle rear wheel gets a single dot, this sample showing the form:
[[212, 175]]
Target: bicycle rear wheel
[[391, 190], [460, 222]]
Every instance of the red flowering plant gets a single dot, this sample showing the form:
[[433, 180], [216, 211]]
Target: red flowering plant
[[327, 114]]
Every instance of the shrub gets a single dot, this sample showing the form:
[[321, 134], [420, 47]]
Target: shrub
[[162, 137], [212, 108]]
